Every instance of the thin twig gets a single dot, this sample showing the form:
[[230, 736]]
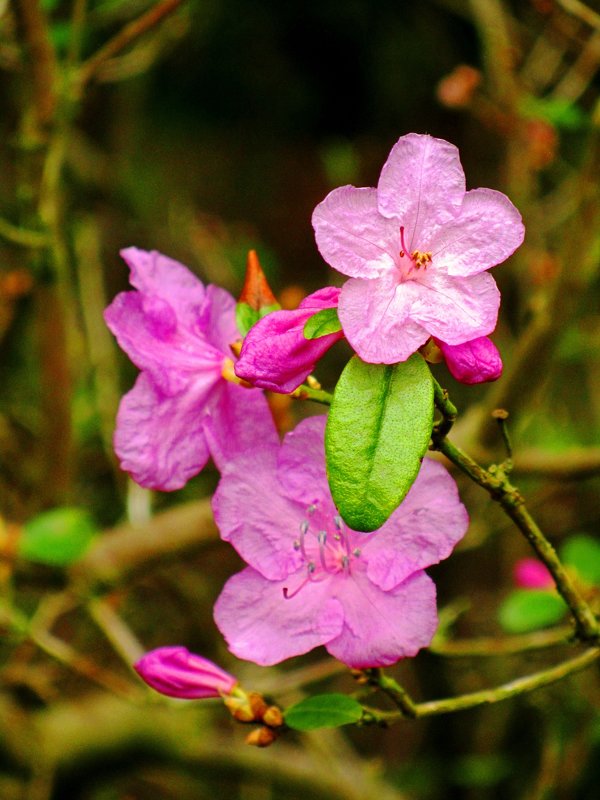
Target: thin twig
[[524, 685], [126, 36]]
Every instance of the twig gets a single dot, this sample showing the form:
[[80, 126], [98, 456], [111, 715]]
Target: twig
[[42, 61], [126, 36], [529, 683], [580, 10], [500, 489], [26, 238], [484, 646]]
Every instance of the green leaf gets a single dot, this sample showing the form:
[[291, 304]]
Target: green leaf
[[527, 610], [583, 553], [378, 430], [57, 537], [323, 711], [322, 323], [246, 316]]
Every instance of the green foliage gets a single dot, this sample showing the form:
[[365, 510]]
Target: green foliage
[[583, 553], [323, 711], [57, 537], [527, 610], [246, 317], [557, 111], [377, 432], [322, 323]]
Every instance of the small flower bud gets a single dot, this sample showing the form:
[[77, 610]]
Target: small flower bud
[[472, 362], [246, 706], [176, 672], [261, 737], [532, 574], [273, 717]]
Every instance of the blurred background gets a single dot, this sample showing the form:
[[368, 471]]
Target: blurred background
[[204, 128]]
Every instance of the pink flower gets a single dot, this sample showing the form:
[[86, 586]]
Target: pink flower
[[476, 361], [416, 249], [176, 672], [532, 574], [311, 580], [276, 355], [178, 333]]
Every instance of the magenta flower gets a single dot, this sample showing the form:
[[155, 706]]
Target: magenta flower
[[276, 355], [181, 409], [532, 574], [416, 249], [176, 672], [476, 361], [311, 580]]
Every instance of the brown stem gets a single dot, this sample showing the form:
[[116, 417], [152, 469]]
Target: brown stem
[[42, 60], [126, 36]]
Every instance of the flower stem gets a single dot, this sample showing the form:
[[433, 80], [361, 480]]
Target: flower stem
[[377, 677], [305, 392]]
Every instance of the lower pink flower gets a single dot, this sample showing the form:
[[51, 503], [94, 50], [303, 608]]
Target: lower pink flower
[[276, 355], [176, 672], [311, 580]]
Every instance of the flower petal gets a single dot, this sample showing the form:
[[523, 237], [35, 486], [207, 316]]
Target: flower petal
[[376, 319], [148, 330], [252, 515], [155, 274], [261, 625], [237, 419], [476, 361], [422, 185], [301, 463], [382, 627], [422, 531], [276, 355], [456, 310], [351, 234], [217, 319], [160, 439], [485, 233]]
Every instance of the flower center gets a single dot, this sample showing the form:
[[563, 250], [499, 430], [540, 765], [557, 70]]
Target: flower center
[[411, 262], [326, 547]]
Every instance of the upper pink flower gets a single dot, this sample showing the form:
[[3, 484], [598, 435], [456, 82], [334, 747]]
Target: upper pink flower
[[416, 249], [181, 409], [176, 672], [276, 355], [311, 580]]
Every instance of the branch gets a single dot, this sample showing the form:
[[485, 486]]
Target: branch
[[126, 36]]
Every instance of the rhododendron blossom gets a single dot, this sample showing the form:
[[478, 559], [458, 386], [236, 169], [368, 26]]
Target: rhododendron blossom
[[311, 580], [178, 332], [176, 672], [276, 355], [416, 249]]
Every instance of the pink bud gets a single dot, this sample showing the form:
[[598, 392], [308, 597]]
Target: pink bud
[[532, 574], [476, 361], [176, 672]]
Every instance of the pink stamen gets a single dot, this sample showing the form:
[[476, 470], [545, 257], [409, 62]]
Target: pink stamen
[[404, 251]]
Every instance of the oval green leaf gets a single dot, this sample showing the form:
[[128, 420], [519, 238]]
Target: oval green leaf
[[378, 430], [323, 711], [583, 553], [322, 323], [526, 610], [57, 537]]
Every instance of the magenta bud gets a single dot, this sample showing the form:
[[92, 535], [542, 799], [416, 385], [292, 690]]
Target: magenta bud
[[176, 672], [532, 574], [476, 361]]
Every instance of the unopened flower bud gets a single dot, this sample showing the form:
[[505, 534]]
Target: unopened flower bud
[[246, 706], [176, 672], [261, 737], [476, 361], [532, 574], [273, 717]]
